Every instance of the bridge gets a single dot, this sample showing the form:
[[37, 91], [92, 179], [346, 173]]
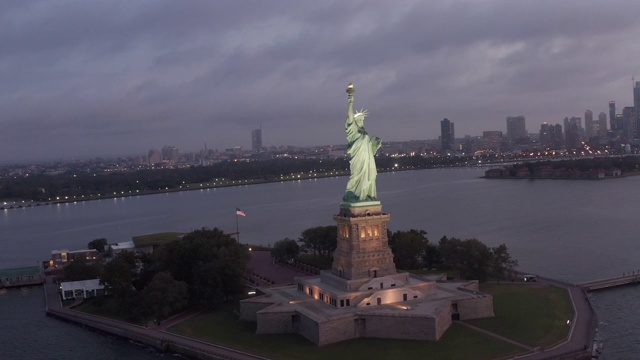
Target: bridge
[[602, 284]]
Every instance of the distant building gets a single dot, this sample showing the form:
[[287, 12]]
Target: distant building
[[572, 132], [588, 124], [602, 125], [619, 126], [256, 140], [62, 257], [516, 127], [170, 153], [492, 140], [551, 136], [629, 123], [155, 156], [636, 97], [612, 116], [447, 134], [122, 246]]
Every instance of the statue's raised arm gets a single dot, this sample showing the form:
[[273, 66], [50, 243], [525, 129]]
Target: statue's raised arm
[[362, 148]]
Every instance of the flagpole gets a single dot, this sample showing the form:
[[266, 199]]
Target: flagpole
[[237, 229]]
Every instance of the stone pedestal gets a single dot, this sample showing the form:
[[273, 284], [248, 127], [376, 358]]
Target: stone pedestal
[[363, 249]]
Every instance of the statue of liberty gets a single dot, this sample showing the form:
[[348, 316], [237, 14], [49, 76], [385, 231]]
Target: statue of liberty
[[362, 148]]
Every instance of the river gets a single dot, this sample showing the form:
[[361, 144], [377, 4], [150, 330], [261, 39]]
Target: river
[[566, 229]]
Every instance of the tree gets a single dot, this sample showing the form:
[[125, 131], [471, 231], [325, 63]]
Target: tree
[[477, 260], [471, 258], [209, 261], [408, 248], [118, 275], [100, 245], [285, 250], [432, 258], [320, 240], [81, 269], [165, 296], [503, 265]]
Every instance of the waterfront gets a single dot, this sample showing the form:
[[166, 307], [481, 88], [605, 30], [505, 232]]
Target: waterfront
[[571, 230]]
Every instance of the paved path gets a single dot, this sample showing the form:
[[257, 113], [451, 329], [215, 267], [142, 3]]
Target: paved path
[[261, 263], [526, 347]]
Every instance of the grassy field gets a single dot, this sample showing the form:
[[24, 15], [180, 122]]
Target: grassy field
[[222, 327], [107, 309], [159, 238], [535, 315]]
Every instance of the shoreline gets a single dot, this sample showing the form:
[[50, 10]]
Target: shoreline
[[199, 186]]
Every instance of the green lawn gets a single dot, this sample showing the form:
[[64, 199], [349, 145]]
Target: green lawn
[[535, 315], [107, 309], [156, 239], [223, 327]]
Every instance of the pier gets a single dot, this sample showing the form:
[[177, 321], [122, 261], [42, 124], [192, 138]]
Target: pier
[[602, 284]]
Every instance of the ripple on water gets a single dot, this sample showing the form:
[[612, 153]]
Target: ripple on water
[[27, 333], [619, 322]]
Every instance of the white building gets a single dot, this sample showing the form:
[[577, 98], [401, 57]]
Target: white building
[[122, 246], [84, 289]]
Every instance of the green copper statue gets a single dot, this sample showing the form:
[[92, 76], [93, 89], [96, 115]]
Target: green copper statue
[[362, 148]]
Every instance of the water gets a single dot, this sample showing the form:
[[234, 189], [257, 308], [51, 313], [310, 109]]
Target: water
[[26, 333], [571, 230]]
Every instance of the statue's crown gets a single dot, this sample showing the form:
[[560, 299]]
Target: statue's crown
[[362, 112]]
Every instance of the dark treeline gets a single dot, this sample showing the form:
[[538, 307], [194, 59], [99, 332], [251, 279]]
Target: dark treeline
[[625, 164], [73, 183], [412, 250]]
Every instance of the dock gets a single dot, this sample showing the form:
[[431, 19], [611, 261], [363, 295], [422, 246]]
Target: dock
[[602, 284], [24, 276]]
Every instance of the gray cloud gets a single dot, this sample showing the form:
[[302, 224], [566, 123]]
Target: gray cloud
[[85, 78]]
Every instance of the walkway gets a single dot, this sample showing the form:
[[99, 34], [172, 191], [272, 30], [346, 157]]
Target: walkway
[[262, 264], [502, 338], [583, 326], [623, 280]]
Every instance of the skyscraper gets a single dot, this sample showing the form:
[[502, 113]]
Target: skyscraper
[[602, 125], [629, 123], [572, 132], [516, 127], [551, 136], [636, 96], [447, 134], [170, 153], [588, 124], [256, 140], [612, 115], [636, 108], [155, 156]]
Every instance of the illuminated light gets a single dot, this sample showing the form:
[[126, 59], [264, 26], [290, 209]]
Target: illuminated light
[[251, 293]]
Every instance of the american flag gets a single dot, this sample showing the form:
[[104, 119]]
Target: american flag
[[240, 212]]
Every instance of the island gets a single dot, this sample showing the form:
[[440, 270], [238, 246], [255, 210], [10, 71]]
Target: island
[[576, 169]]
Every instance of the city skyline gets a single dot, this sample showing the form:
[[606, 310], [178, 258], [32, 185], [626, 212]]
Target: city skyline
[[121, 78]]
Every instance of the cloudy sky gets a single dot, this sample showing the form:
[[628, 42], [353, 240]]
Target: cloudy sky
[[86, 78]]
